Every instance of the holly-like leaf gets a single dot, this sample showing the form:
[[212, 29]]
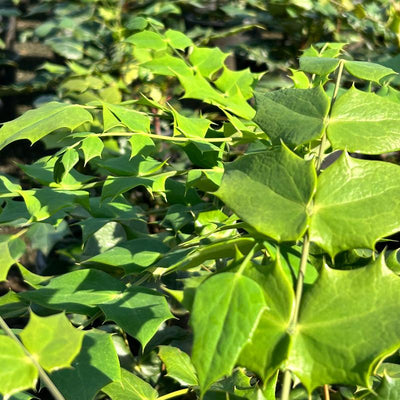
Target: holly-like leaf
[[35, 124], [326, 348], [367, 70], [131, 387], [141, 144], [207, 60], [92, 147], [17, 371], [271, 332], [318, 65], [10, 251], [177, 40], [133, 256], [78, 291], [365, 123], [148, 40], [52, 340], [96, 366], [178, 365], [295, 116], [190, 126], [138, 311], [271, 191], [132, 119], [221, 329], [356, 204]]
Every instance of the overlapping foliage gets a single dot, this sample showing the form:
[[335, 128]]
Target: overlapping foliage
[[152, 219]]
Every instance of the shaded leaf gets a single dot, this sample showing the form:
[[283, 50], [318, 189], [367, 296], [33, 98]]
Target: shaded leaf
[[138, 311]]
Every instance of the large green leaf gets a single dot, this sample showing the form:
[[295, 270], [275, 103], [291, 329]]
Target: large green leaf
[[131, 387], [138, 311], [96, 366], [271, 191], [326, 347], [178, 365], [295, 116], [356, 203], [364, 122], [78, 291], [35, 124], [226, 310], [318, 65], [52, 340], [17, 371], [271, 333]]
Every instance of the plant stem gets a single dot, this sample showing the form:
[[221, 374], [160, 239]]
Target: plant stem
[[334, 96], [326, 392], [287, 378], [43, 376], [172, 138], [174, 394]]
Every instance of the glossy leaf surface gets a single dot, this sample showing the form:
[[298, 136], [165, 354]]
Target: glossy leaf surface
[[271, 191], [365, 123], [295, 116], [224, 325]]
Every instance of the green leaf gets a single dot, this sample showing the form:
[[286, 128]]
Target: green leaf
[[221, 328], [10, 251], [35, 124], [190, 126], [178, 365], [141, 144], [134, 120], [11, 306], [78, 291], [178, 40], [389, 389], [92, 147], [17, 371], [318, 65], [271, 191], [148, 40], [138, 311], [133, 256], [52, 340], [131, 387], [296, 116], [207, 60], [355, 204], [243, 79], [326, 348], [364, 122], [96, 366], [367, 70], [168, 65], [271, 333]]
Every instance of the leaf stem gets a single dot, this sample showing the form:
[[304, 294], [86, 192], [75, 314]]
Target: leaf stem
[[326, 392], [43, 375], [174, 394], [287, 378], [172, 138]]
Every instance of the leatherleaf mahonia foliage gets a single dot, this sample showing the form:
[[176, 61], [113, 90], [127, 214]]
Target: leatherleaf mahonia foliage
[[227, 254]]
